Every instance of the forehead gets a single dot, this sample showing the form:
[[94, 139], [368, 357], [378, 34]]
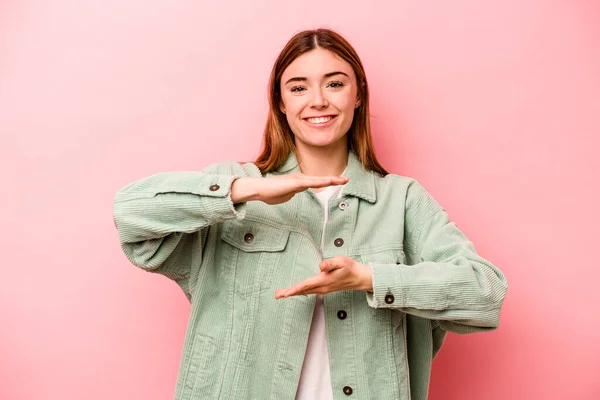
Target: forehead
[[315, 64]]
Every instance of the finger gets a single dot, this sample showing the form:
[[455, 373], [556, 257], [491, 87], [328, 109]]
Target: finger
[[315, 177], [335, 262], [320, 288], [285, 292], [281, 293], [330, 265], [303, 286], [298, 290], [313, 290], [315, 182]]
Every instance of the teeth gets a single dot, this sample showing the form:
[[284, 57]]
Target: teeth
[[320, 120]]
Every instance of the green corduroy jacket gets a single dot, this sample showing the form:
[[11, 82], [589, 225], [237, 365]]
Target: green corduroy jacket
[[242, 343]]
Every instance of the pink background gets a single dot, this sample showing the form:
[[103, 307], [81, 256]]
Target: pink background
[[493, 105]]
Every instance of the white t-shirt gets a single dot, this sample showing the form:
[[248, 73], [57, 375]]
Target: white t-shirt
[[315, 378]]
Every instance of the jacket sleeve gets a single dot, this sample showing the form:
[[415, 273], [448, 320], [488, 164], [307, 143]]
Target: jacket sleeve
[[446, 281], [161, 218]]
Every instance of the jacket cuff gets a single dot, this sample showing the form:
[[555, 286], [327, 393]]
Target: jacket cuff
[[221, 207], [387, 287]]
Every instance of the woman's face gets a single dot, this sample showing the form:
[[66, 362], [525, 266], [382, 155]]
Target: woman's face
[[319, 95]]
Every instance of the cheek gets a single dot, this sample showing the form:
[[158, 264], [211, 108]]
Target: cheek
[[291, 114], [291, 120], [292, 104], [346, 103]]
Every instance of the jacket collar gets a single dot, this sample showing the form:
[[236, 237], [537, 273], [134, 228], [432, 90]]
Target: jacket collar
[[361, 181]]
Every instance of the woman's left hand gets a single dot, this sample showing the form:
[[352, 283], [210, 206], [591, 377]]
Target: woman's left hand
[[337, 273]]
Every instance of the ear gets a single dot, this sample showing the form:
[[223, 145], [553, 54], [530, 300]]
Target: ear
[[358, 100], [281, 107]]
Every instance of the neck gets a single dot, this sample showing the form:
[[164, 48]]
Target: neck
[[323, 161]]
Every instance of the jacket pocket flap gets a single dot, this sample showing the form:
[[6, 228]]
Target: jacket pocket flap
[[251, 236], [387, 256]]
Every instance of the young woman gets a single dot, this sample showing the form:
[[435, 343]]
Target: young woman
[[312, 272]]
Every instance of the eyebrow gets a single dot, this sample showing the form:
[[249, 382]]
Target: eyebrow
[[327, 75]]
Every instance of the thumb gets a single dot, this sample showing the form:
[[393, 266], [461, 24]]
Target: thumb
[[330, 265]]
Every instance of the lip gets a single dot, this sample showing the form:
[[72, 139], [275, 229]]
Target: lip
[[319, 126]]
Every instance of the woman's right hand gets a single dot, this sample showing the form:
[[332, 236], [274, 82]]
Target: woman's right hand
[[279, 189]]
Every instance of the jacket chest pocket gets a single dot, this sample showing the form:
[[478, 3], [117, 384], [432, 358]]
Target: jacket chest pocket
[[252, 252]]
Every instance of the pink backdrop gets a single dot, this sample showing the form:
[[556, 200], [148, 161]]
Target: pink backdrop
[[493, 105]]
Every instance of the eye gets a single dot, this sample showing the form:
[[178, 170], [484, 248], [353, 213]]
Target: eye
[[297, 89], [335, 84]]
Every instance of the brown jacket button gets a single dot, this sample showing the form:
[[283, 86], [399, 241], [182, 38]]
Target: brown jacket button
[[248, 238], [339, 242], [389, 299], [347, 390], [214, 188]]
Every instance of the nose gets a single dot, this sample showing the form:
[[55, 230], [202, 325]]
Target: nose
[[318, 100]]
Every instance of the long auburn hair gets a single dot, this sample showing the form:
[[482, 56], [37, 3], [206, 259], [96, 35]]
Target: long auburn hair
[[278, 139]]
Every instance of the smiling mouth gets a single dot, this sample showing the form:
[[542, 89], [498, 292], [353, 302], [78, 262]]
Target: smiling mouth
[[320, 120]]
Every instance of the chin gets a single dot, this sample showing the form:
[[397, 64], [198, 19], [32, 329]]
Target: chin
[[320, 138], [322, 143]]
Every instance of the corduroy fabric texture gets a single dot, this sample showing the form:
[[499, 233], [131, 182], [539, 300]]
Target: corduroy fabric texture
[[229, 259]]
